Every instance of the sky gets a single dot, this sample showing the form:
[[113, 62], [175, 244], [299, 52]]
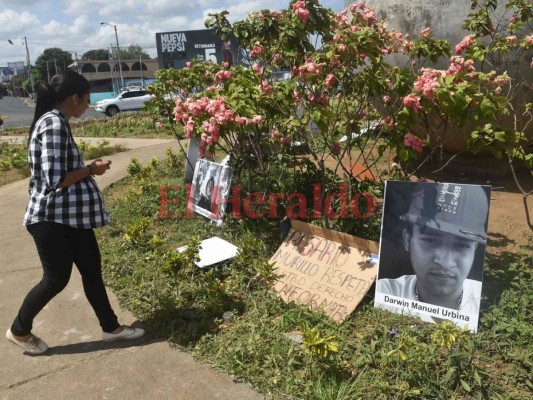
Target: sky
[[75, 25]]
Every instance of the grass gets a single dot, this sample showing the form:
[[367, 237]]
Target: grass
[[14, 164], [123, 125], [372, 355]]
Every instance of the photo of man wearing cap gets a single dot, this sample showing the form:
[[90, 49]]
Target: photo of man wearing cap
[[432, 249]]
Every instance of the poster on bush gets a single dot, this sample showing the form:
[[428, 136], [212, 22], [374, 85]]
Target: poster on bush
[[324, 269], [210, 190], [432, 248]]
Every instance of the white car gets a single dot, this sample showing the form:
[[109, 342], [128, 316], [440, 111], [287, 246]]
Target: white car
[[128, 99]]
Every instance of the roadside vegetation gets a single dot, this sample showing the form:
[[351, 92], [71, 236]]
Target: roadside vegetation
[[14, 157], [129, 124], [372, 355]]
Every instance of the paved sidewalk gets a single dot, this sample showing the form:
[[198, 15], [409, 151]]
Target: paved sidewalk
[[79, 365]]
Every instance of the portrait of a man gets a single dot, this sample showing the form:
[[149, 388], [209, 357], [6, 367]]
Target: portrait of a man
[[432, 248], [210, 189]]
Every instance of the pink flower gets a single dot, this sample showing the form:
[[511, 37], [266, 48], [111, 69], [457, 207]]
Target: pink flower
[[298, 4], [513, 19], [222, 76], [428, 83], [330, 80], [386, 99], [159, 125], [286, 140], [464, 44], [188, 64], [416, 143], [302, 13], [426, 33], [354, 7], [319, 99], [274, 134], [412, 101], [256, 51], [276, 57], [189, 129], [529, 40], [258, 119], [241, 120], [257, 69], [387, 121], [265, 87], [369, 15]]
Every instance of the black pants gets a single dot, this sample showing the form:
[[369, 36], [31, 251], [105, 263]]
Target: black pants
[[59, 246]]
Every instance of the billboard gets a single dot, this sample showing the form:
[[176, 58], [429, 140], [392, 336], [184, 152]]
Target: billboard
[[175, 49]]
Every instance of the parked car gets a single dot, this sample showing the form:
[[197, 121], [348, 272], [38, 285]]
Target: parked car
[[128, 99]]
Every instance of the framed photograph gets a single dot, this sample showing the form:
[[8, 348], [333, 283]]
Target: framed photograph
[[210, 189], [432, 250]]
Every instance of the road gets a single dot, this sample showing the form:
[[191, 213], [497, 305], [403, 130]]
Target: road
[[18, 112]]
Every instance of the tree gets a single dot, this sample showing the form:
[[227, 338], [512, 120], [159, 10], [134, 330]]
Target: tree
[[133, 52], [58, 60], [96, 55]]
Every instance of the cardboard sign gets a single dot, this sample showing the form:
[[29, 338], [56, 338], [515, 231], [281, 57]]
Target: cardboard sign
[[324, 269]]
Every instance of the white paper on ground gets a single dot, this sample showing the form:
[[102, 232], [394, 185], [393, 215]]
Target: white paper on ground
[[214, 250]]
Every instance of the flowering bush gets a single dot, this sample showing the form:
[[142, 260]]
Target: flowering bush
[[343, 103], [329, 96]]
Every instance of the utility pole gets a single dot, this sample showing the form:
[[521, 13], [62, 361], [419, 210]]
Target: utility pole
[[111, 70], [29, 69], [47, 71], [118, 53], [141, 66]]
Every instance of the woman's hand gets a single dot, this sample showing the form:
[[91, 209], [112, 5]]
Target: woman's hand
[[99, 167]]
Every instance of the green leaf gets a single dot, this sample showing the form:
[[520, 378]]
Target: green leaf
[[499, 136], [404, 154], [448, 375], [477, 378], [315, 116], [466, 386]]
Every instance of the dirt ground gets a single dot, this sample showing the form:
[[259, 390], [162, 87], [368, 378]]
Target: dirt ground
[[509, 232]]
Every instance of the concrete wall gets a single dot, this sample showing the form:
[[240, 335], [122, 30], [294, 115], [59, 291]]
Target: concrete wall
[[445, 17]]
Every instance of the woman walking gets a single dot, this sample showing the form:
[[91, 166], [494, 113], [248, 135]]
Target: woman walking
[[65, 206]]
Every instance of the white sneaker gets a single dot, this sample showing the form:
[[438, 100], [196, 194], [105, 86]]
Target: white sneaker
[[127, 333], [33, 346]]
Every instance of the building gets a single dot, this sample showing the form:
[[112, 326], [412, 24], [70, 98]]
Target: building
[[104, 75]]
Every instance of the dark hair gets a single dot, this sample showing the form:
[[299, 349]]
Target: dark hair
[[62, 85]]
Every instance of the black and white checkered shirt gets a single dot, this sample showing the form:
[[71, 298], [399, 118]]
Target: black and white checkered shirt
[[52, 153]]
